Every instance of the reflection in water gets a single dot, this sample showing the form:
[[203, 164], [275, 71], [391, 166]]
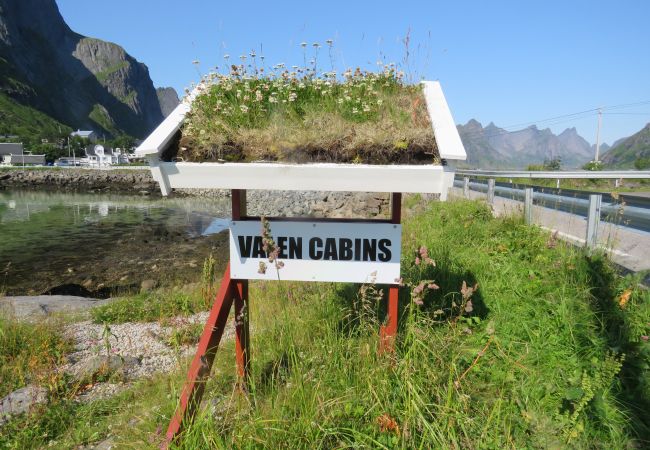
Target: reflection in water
[[201, 216], [51, 234], [216, 226]]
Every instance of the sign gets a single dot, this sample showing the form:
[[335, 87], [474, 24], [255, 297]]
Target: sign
[[317, 251]]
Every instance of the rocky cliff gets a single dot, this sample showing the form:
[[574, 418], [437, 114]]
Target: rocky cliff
[[168, 99], [79, 81], [494, 147], [632, 152]]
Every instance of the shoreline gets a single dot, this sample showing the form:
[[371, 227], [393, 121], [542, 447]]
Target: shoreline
[[80, 180]]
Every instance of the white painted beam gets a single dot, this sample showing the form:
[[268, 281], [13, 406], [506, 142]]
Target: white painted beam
[[447, 138], [306, 177]]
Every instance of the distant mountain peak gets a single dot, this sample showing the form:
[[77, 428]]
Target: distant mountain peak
[[569, 131], [473, 123], [494, 147]]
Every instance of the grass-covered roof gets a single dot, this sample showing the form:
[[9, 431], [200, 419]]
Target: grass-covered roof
[[300, 115]]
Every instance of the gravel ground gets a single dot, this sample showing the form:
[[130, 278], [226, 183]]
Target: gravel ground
[[144, 344], [101, 391]]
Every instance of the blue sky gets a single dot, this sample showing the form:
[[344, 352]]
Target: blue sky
[[509, 62]]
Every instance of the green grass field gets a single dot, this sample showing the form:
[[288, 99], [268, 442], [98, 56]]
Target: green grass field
[[550, 351]]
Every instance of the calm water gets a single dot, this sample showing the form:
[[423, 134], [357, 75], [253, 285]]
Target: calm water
[[61, 233]]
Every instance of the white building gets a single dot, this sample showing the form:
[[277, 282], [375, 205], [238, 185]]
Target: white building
[[101, 156]]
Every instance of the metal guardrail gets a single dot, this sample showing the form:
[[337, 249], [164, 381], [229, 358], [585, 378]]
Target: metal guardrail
[[588, 205], [560, 174]]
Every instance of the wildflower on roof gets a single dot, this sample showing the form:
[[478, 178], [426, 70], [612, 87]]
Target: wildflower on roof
[[329, 42], [303, 44], [226, 56]]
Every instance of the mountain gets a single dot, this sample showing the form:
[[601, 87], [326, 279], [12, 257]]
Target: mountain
[[603, 149], [168, 99], [494, 147], [631, 152], [76, 80]]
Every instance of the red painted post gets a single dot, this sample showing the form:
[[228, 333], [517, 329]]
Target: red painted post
[[242, 336], [203, 359], [396, 208], [388, 331], [238, 202], [242, 332]]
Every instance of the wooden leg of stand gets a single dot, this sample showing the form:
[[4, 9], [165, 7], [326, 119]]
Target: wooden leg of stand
[[388, 331], [203, 359], [242, 336]]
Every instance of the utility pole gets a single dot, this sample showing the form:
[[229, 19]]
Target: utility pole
[[600, 119]]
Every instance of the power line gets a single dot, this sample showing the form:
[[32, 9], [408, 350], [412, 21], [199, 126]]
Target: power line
[[628, 105], [502, 131], [550, 119], [558, 119], [629, 113]]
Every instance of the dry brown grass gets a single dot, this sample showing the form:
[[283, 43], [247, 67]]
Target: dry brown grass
[[399, 132]]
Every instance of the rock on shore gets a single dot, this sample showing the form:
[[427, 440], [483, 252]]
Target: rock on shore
[[39, 306], [268, 203], [306, 203], [134, 181]]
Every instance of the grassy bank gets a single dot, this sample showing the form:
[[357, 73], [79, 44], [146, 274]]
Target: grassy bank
[[550, 350]]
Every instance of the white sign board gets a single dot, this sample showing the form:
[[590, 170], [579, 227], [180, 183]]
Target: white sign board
[[318, 251]]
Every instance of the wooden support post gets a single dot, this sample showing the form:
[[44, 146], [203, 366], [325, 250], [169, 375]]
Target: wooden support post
[[396, 208], [242, 336], [388, 331], [238, 197], [242, 333], [203, 359]]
